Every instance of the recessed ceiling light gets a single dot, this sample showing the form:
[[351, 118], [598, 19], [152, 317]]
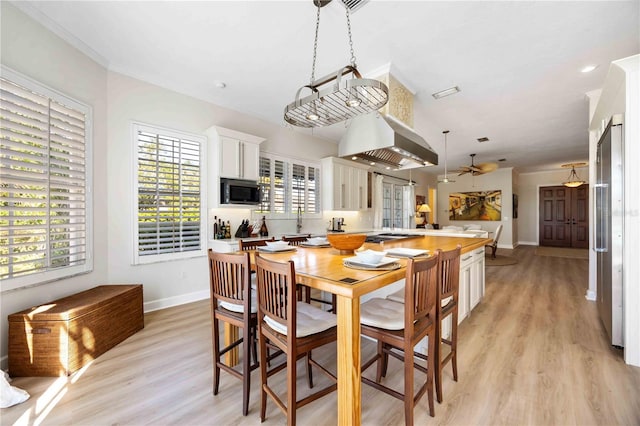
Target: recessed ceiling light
[[220, 84], [446, 92], [354, 158], [589, 68]]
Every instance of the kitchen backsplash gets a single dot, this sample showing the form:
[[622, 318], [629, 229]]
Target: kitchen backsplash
[[354, 221]]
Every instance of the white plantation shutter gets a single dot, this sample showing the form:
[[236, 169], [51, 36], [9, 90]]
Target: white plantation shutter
[[313, 190], [169, 194], [265, 185], [44, 227], [287, 184]]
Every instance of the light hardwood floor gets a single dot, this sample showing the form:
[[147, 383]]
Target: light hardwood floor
[[532, 353]]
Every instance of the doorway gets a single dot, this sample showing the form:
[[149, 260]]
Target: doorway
[[564, 216]]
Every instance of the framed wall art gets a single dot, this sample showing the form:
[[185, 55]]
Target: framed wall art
[[478, 205]]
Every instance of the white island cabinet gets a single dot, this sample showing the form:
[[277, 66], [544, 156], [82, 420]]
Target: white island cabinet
[[346, 184]]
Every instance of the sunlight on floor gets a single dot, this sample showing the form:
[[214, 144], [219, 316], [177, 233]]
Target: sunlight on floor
[[49, 399]]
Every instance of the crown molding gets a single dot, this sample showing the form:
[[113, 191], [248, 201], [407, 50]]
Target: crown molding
[[44, 20]]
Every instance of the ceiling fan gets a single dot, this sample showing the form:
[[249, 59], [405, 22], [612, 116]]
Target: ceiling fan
[[478, 169]]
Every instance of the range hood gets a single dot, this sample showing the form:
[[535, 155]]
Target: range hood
[[385, 141]]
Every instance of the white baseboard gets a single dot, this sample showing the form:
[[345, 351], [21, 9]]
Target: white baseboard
[[168, 302], [591, 295], [528, 243]]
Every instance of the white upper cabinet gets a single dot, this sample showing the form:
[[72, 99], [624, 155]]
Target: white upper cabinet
[[344, 184], [234, 154], [231, 154], [239, 159]]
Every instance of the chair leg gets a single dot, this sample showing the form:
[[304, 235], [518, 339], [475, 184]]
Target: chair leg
[[381, 364], [408, 384], [431, 354], [254, 344], [309, 372], [454, 343], [246, 368], [291, 388], [216, 356], [263, 377], [437, 358], [493, 251]]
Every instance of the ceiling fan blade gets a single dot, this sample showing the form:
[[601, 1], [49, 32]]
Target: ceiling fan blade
[[487, 167]]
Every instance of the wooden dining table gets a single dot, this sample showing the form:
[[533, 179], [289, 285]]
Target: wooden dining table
[[322, 268]]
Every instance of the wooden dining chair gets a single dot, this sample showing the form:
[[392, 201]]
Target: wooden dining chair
[[399, 327], [233, 302], [304, 292], [447, 305], [253, 244], [292, 326], [295, 241], [494, 244]]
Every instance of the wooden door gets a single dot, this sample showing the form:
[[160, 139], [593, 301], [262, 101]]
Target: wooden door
[[564, 217], [580, 217]]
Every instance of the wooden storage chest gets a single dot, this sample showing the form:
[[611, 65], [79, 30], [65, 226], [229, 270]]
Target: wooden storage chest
[[60, 337]]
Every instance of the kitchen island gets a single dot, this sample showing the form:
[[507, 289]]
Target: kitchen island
[[323, 269]]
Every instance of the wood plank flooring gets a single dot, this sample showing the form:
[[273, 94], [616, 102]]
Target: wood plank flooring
[[532, 353]]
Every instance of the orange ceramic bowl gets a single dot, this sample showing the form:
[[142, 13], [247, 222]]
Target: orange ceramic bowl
[[346, 243]]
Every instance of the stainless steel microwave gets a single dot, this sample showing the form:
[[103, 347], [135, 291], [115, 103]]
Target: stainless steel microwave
[[239, 191]]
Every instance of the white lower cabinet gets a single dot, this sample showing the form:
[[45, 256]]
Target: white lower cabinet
[[476, 284], [471, 286]]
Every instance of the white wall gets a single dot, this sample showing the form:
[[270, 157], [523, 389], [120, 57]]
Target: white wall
[[32, 50], [170, 283], [502, 180], [529, 185]]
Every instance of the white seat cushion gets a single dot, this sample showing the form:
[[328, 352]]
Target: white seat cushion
[[398, 296], [309, 320], [382, 313], [234, 307]]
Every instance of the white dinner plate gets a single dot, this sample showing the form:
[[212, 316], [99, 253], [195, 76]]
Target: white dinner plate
[[359, 262], [268, 249], [406, 252]]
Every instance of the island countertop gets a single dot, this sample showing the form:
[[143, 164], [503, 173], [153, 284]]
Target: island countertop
[[323, 269]]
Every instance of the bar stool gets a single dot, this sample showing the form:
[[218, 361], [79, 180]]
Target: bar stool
[[233, 302], [292, 326], [399, 327], [447, 304]]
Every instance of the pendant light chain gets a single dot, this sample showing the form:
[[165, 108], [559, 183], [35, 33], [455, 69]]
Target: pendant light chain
[[315, 46], [353, 55]]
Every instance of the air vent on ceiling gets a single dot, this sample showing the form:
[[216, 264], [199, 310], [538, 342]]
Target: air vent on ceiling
[[354, 5], [485, 139]]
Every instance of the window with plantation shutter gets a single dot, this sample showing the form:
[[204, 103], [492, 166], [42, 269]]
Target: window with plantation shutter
[[45, 228], [287, 185], [169, 197]]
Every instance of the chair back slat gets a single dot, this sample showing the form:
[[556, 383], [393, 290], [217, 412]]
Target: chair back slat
[[295, 241], [449, 273], [229, 276], [275, 300], [420, 290], [253, 244]]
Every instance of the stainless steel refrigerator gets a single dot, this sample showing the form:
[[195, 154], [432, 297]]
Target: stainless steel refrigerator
[[609, 232]]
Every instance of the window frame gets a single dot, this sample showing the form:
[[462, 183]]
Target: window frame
[[290, 162], [56, 274], [192, 137]]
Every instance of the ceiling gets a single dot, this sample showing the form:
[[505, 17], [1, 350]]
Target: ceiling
[[517, 63]]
